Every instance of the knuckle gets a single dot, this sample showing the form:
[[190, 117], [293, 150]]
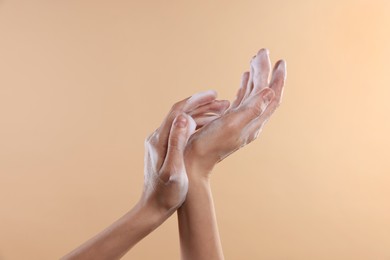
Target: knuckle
[[256, 109], [177, 107], [165, 174], [149, 137], [154, 140], [175, 142], [174, 113]]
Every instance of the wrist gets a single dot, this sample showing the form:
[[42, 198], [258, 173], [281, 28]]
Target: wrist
[[151, 213], [198, 174], [197, 169]]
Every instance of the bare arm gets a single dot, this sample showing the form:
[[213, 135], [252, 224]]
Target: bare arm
[[122, 235], [256, 100], [199, 236]]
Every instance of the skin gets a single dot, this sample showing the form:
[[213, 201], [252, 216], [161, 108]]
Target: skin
[[197, 133], [165, 182], [257, 99]]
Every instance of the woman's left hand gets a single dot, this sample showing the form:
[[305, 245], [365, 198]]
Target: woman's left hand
[[166, 182]]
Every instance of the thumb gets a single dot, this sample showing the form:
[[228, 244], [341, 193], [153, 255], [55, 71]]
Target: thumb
[[182, 128], [253, 107]]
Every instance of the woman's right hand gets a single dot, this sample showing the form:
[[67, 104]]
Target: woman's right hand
[[256, 100]]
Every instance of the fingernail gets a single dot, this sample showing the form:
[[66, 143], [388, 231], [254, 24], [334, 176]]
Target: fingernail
[[265, 50], [181, 121], [254, 57], [281, 64]]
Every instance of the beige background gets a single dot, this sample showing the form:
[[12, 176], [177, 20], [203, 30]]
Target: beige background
[[82, 83]]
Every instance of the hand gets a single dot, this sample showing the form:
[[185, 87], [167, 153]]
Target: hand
[[166, 181], [256, 100]]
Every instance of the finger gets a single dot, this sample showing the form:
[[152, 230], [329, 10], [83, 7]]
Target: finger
[[261, 69], [278, 80], [241, 91], [274, 104], [249, 86], [199, 99], [277, 84], [185, 105], [216, 106], [181, 130], [202, 120], [253, 130], [252, 108]]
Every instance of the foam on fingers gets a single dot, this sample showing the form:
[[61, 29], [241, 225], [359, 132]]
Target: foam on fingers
[[199, 99]]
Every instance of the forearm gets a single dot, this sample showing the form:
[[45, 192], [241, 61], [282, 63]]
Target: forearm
[[123, 234], [199, 236]]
